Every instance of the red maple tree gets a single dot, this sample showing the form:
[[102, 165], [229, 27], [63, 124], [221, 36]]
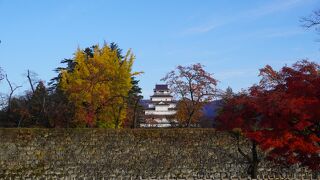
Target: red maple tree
[[281, 114]]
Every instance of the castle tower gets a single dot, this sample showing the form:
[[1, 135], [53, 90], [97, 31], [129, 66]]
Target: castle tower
[[161, 108]]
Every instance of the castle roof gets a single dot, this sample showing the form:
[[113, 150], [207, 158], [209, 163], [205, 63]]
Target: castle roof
[[163, 103], [161, 95], [161, 87]]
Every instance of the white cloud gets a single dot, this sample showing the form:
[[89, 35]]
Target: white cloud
[[274, 33], [204, 28], [252, 14], [275, 6], [284, 33]]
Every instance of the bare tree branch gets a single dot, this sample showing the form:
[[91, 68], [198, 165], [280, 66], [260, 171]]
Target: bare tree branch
[[312, 20], [30, 81], [12, 89]]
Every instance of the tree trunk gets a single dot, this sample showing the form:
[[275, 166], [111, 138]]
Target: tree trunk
[[255, 161], [30, 81], [190, 118], [134, 125], [117, 123], [188, 122]]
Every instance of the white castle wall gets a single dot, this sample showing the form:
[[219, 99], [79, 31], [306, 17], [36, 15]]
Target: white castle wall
[[161, 98]]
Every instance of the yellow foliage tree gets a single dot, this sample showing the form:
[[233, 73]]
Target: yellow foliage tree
[[98, 86]]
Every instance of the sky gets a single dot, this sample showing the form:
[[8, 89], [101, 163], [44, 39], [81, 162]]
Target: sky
[[232, 39]]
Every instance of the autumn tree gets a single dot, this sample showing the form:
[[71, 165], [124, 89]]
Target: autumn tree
[[291, 125], [35, 108], [184, 107], [280, 115], [134, 108], [98, 85], [239, 116], [30, 109], [194, 87], [38, 107]]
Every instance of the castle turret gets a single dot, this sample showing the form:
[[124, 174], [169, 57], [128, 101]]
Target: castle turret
[[161, 108]]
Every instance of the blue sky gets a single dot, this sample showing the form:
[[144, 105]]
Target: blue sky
[[233, 39]]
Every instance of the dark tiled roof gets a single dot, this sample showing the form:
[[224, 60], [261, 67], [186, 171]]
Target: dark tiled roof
[[172, 108], [156, 95], [163, 103], [161, 87], [150, 108], [157, 115]]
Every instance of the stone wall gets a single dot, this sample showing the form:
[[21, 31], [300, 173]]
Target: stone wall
[[127, 154]]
